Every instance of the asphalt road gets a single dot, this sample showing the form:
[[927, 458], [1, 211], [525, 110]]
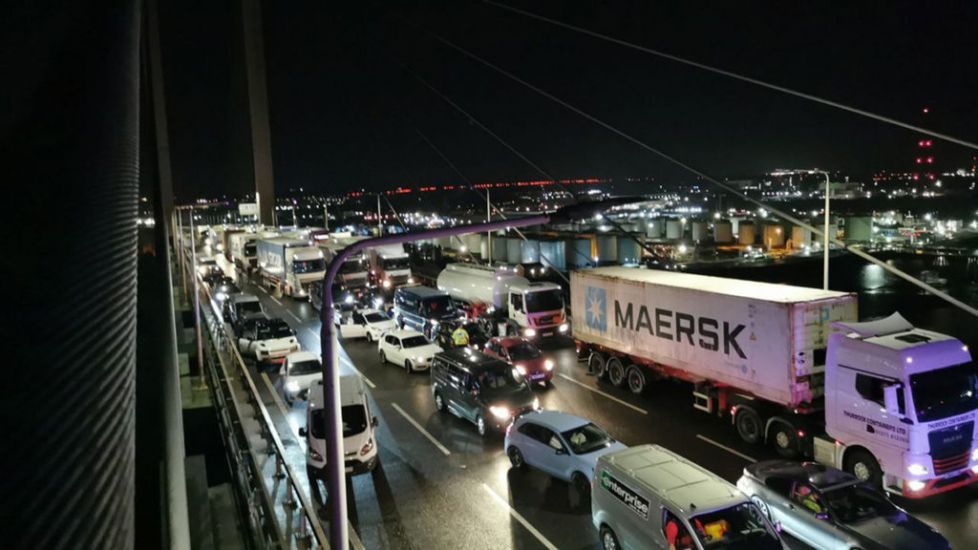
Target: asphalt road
[[442, 486]]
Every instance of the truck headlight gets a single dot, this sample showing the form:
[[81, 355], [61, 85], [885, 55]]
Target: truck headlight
[[348, 299], [916, 485], [974, 455], [387, 283], [410, 280], [917, 469], [529, 333], [502, 413], [521, 369], [564, 327], [548, 364], [536, 403], [292, 387]]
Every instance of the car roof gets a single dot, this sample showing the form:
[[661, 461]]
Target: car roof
[[684, 485], [369, 310], [819, 475], [472, 360], [351, 392], [555, 420], [512, 341], [404, 333], [422, 291], [271, 321], [303, 356]]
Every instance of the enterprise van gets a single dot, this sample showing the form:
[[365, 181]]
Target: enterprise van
[[359, 434], [649, 497], [422, 308]]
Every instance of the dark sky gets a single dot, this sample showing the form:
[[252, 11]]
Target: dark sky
[[345, 114]]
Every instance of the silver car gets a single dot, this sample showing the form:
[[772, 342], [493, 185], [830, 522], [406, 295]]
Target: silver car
[[830, 509]]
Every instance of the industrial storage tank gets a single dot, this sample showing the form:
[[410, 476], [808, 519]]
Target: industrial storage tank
[[553, 254], [655, 228], [514, 250], [699, 231], [579, 253], [746, 236], [607, 248], [800, 237], [629, 250], [674, 229], [472, 242], [773, 236], [859, 229], [530, 251], [723, 232]]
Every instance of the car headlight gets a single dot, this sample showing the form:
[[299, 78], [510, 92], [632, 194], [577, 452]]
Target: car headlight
[[292, 387], [378, 302], [530, 333], [521, 369], [548, 364], [368, 447], [502, 413], [536, 403], [387, 283], [348, 299], [916, 485], [420, 360], [410, 280], [564, 327], [917, 469]]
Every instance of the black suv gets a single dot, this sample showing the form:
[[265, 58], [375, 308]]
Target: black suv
[[478, 388]]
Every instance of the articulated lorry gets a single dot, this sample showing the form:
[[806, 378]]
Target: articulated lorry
[[354, 272], [242, 250], [390, 266], [290, 265], [528, 309], [791, 367]]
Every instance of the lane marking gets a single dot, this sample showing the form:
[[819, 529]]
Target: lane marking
[[261, 288], [314, 333], [519, 517], [356, 370], [274, 299], [281, 407], [293, 315], [423, 431], [725, 448], [609, 396]]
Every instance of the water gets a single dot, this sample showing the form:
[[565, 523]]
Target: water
[[880, 292]]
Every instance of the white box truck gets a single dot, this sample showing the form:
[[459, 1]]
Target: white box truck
[[528, 309], [242, 250], [390, 266], [290, 265], [354, 272], [884, 400]]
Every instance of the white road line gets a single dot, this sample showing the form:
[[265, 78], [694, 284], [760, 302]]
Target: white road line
[[725, 448], [261, 288], [356, 370], [274, 299], [293, 315], [609, 396], [519, 517], [278, 403], [314, 333], [423, 431]]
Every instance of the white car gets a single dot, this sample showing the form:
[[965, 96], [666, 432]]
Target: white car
[[408, 349], [300, 371], [365, 323], [267, 340]]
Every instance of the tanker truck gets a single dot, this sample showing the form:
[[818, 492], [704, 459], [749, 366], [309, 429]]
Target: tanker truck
[[791, 367], [528, 309], [290, 264]]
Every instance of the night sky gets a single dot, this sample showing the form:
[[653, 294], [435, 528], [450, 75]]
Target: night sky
[[345, 114]]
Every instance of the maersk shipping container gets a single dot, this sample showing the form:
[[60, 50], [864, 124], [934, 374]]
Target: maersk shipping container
[[758, 337]]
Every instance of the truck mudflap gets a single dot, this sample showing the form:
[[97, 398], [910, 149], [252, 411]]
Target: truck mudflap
[[935, 486]]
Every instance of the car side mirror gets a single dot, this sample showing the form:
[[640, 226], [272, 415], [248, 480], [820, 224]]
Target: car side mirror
[[560, 452], [374, 422], [303, 432], [822, 516], [890, 400]]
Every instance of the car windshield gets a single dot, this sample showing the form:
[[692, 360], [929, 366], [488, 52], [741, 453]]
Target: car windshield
[[244, 308], [856, 503], [353, 265], [738, 528], [268, 331], [308, 266], [945, 392], [586, 439], [395, 263], [501, 381], [414, 342], [544, 300], [438, 306], [523, 351], [249, 249], [305, 367], [354, 421], [375, 317]]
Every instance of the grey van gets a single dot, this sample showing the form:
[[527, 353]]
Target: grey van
[[422, 308], [478, 388], [649, 497]]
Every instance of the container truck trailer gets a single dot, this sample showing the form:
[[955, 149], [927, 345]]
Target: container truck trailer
[[528, 309], [791, 367], [290, 265]]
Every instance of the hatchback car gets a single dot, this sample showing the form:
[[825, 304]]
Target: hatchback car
[[363, 323], [525, 356], [831, 509], [299, 372], [408, 349], [560, 444]]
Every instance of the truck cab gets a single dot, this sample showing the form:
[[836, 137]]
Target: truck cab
[[290, 264], [536, 310], [390, 266], [900, 407]]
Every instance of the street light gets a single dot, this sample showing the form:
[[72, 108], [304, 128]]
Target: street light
[[335, 479], [825, 233]]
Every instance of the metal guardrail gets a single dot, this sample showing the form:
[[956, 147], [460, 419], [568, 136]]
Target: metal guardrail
[[240, 414]]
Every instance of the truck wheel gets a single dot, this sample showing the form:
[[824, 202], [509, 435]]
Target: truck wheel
[[616, 372], [749, 425], [608, 539], [785, 440], [863, 465], [636, 379], [596, 364]]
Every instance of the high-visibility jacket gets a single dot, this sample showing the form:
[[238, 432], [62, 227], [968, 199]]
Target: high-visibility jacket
[[460, 337]]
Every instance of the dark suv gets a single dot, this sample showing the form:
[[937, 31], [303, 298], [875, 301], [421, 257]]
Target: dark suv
[[422, 308], [485, 391]]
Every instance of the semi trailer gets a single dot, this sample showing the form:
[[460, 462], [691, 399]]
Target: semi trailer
[[290, 265], [791, 367]]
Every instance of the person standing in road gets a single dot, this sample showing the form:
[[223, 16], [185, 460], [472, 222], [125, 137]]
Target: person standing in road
[[460, 336]]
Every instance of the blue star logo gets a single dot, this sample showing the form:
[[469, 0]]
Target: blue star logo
[[595, 308]]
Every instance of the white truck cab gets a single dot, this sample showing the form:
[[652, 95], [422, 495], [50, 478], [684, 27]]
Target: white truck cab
[[900, 407], [359, 434], [390, 266], [290, 264]]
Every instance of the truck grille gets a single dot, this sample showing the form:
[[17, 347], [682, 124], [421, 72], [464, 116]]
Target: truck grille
[[950, 448]]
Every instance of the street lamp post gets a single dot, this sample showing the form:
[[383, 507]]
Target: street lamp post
[[335, 479], [825, 235]]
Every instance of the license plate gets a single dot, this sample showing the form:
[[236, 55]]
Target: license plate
[[548, 333], [349, 469]]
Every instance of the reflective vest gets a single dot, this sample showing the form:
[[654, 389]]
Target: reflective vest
[[460, 337]]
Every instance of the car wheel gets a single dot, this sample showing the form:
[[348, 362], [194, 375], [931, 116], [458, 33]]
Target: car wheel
[[581, 486], [596, 364], [370, 339], [516, 458], [785, 440], [749, 426], [408, 367], [439, 402], [761, 505], [383, 357], [616, 372], [608, 539], [863, 465], [636, 379], [480, 425]]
